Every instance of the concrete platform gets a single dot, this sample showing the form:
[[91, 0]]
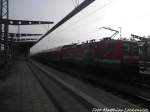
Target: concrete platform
[[21, 92]]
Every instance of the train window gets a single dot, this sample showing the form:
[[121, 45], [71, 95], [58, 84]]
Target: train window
[[126, 48], [130, 48], [107, 47], [134, 49]]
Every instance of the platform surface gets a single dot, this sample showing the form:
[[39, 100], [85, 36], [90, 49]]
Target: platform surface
[[20, 92]]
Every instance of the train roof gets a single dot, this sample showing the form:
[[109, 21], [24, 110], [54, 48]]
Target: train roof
[[53, 49], [59, 48]]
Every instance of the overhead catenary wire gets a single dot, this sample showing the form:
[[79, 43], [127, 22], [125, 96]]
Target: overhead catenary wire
[[75, 3], [46, 27], [66, 18], [86, 16], [89, 14]]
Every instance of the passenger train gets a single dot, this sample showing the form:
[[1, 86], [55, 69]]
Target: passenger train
[[118, 55]]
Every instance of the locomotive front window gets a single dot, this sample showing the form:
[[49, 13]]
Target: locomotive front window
[[134, 49], [130, 48], [126, 48]]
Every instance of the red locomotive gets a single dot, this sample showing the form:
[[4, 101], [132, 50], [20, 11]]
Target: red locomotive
[[108, 53], [118, 55]]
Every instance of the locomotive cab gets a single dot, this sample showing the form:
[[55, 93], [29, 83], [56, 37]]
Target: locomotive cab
[[130, 57]]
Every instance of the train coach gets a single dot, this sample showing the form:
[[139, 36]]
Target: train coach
[[1, 59], [118, 55]]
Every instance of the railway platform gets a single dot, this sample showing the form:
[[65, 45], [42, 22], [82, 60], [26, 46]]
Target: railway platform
[[28, 89], [20, 92]]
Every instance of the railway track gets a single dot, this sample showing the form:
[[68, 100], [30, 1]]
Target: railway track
[[66, 98], [132, 94], [144, 80], [142, 85], [111, 101]]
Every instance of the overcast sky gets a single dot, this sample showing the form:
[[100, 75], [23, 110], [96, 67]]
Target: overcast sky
[[131, 15], [46, 10]]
